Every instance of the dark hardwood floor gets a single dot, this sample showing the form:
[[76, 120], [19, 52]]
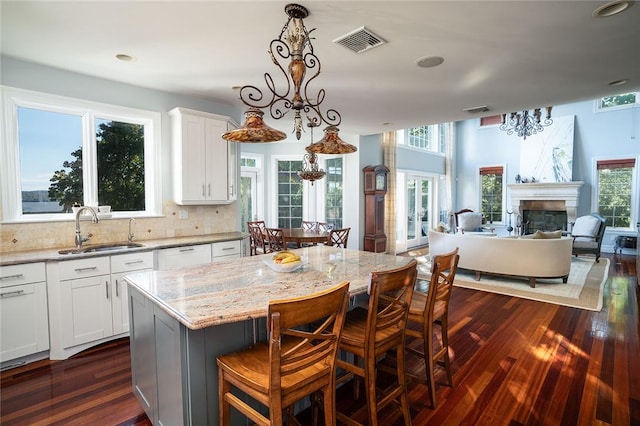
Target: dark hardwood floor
[[515, 362]]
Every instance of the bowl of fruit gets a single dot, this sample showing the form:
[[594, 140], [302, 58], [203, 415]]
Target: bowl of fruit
[[284, 261]]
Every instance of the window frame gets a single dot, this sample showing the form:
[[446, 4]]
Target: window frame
[[635, 191], [503, 205], [274, 185], [326, 192], [89, 111], [599, 108], [438, 134]]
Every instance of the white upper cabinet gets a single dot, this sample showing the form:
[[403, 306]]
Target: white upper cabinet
[[204, 164]]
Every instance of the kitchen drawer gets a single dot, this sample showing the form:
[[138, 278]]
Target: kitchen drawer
[[81, 268], [184, 256], [131, 262], [227, 248], [22, 274]]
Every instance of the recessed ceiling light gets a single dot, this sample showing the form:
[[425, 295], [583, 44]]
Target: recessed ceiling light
[[125, 58], [612, 8], [429, 61], [618, 82]]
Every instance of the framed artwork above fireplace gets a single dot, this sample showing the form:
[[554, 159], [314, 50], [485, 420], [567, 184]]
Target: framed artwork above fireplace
[[548, 156]]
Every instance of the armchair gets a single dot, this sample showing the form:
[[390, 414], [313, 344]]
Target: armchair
[[587, 233], [470, 221]]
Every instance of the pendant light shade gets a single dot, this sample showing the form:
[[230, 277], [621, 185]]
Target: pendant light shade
[[254, 130], [331, 143]]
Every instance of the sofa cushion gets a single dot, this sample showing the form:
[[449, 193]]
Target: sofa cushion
[[470, 221], [586, 226], [542, 235]]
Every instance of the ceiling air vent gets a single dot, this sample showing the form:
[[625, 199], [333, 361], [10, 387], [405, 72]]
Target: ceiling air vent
[[360, 40], [478, 109]]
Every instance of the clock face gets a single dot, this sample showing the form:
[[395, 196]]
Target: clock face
[[381, 182]]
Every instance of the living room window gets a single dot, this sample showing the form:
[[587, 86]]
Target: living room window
[[492, 192], [623, 100], [616, 191], [430, 138], [63, 151]]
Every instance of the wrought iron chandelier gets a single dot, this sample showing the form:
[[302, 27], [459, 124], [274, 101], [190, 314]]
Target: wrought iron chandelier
[[293, 45], [311, 171], [524, 124]]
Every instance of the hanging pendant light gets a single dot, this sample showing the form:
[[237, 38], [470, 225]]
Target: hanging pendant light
[[254, 130], [310, 169], [331, 143]]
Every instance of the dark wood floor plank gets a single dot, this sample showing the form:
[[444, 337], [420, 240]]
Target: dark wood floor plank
[[515, 362]]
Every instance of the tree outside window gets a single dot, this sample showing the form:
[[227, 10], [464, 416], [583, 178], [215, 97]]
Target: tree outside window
[[615, 191], [491, 182]]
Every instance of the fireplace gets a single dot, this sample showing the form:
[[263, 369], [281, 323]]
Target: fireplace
[[545, 206]]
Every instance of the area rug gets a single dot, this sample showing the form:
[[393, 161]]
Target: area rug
[[583, 289]]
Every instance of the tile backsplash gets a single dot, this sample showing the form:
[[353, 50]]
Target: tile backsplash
[[200, 220]]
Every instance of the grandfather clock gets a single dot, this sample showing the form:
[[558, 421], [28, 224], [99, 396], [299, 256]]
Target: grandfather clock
[[375, 189]]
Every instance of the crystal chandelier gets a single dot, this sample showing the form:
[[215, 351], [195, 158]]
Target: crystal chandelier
[[292, 45], [310, 169], [524, 124]]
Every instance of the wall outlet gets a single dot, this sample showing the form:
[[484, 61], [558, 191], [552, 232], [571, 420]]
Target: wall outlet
[[183, 214]]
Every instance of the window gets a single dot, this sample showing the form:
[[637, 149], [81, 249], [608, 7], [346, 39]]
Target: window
[[333, 187], [70, 151], [492, 120], [492, 185], [251, 205], [615, 183], [428, 138], [624, 100], [289, 194]]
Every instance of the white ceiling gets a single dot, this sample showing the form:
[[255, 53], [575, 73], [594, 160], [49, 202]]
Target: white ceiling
[[507, 55]]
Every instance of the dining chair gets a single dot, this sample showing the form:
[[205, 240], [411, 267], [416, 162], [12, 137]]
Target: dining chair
[[324, 226], [298, 360], [258, 242], [339, 237], [431, 309], [276, 239], [309, 226], [370, 333]]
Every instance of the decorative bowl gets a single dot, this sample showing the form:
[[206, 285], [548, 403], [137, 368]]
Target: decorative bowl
[[284, 267]]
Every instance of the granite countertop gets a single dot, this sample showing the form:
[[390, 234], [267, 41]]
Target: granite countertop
[[240, 289], [52, 255]]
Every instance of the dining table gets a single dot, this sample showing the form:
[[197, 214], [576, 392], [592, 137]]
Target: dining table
[[183, 318], [301, 236]]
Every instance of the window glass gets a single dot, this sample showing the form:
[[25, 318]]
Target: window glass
[[491, 180], [50, 147], [618, 100], [615, 192], [333, 185], [289, 194]]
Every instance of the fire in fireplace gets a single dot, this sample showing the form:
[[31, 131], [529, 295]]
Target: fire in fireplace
[[543, 220]]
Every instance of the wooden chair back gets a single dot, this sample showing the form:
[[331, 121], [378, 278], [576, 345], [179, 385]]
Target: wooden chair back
[[258, 242], [309, 226], [458, 213], [339, 237], [276, 239], [324, 227]]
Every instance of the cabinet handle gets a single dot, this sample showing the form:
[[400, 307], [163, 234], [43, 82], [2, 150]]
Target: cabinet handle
[[209, 189], [11, 277], [132, 262], [90, 268], [13, 293], [106, 286], [186, 249], [117, 293], [228, 248], [203, 194]]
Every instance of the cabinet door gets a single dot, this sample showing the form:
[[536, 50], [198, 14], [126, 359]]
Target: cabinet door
[[86, 310], [120, 302], [24, 327], [143, 353], [217, 161], [194, 155]]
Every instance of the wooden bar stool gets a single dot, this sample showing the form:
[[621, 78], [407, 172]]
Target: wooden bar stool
[[432, 309], [370, 333], [276, 239], [339, 237], [298, 360]]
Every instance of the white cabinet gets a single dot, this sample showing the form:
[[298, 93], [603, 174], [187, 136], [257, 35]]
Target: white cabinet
[[24, 328], [226, 250], [204, 164], [177, 257], [87, 303]]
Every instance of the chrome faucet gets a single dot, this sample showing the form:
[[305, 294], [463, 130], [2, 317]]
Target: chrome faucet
[[130, 236], [79, 238]]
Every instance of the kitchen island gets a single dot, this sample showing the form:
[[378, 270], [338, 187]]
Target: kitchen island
[[182, 319]]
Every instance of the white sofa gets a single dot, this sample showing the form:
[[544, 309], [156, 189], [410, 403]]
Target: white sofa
[[527, 257]]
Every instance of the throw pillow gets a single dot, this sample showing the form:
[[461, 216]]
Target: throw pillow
[[470, 221], [549, 235], [586, 226]]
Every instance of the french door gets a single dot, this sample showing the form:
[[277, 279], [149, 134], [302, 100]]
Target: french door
[[419, 198]]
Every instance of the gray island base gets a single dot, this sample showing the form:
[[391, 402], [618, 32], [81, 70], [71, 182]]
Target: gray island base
[[182, 319]]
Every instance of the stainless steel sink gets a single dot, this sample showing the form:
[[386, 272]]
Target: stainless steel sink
[[101, 248]]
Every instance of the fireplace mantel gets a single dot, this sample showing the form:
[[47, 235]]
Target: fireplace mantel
[[567, 192]]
